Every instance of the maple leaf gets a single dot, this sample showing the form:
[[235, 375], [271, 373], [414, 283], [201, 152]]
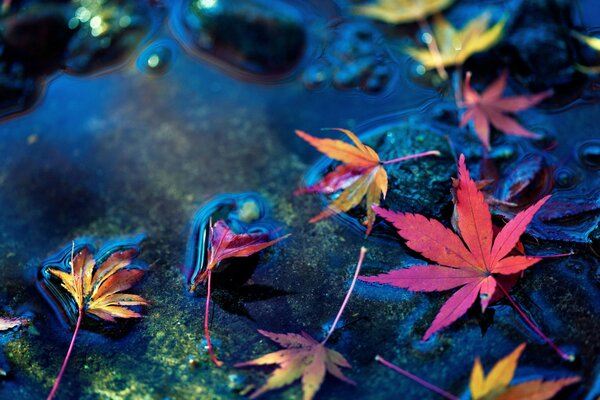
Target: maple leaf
[[472, 262], [96, 289], [453, 46], [490, 107], [361, 174], [303, 357], [496, 386], [224, 244], [402, 11]]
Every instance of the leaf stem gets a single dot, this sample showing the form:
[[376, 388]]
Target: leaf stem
[[64, 364], [557, 255], [206, 331], [427, 153], [415, 378], [562, 354], [433, 48], [361, 258]]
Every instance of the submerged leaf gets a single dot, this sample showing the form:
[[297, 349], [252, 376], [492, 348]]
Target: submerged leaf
[[95, 287], [455, 46], [490, 107], [401, 11], [96, 290], [361, 175]]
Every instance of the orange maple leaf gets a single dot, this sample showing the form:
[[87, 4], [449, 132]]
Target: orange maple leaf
[[361, 174], [490, 107], [96, 290]]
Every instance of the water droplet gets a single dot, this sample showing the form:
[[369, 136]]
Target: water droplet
[[316, 76], [565, 178], [156, 59]]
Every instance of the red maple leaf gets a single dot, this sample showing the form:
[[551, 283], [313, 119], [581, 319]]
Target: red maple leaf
[[473, 261], [490, 107], [224, 244]]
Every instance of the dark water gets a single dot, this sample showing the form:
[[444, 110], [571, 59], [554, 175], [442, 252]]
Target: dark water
[[139, 145]]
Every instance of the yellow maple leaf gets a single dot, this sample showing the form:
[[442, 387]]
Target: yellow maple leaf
[[496, 385], [454, 45], [402, 11]]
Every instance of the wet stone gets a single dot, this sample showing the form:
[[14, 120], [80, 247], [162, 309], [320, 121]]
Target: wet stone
[[422, 185], [354, 58], [263, 38]]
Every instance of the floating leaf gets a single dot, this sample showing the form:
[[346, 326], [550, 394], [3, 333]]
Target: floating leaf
[[402, 11], [224, 244], [361, 174], [473, 261], [455, 46], [97, 290], [303, 357], [491, 108]]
